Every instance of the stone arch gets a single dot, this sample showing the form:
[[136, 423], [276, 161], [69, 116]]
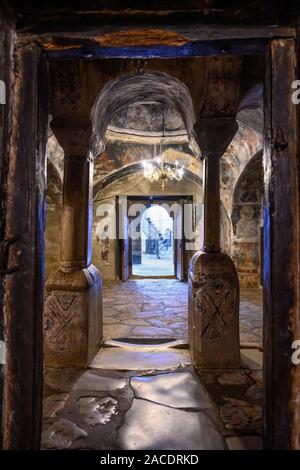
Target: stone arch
[[144, 86], [245, 190], [250, 110], [134, 168]]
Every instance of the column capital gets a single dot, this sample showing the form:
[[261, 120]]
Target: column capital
[[215, 134], [73, 134]]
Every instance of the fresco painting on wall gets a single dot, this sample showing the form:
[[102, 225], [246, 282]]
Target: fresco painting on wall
[[246, 257], [147, 117], [239, 233], [119, 154], [247, 221], [246, 243], [247, 226], [105, 245]]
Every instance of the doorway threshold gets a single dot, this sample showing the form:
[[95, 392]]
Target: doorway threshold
[[157, 343], [136, 277], [145, 340]]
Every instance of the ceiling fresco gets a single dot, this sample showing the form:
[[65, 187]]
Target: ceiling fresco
[[152, 117]]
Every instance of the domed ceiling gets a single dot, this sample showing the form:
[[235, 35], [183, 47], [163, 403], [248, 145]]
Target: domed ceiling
[[148, 117]]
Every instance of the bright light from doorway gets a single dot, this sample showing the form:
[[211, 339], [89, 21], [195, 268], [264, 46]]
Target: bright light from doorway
[[154, 255]]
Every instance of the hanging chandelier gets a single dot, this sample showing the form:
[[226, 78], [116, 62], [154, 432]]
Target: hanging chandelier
[[157, 170]]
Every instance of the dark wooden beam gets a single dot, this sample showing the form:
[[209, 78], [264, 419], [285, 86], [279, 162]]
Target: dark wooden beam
[[57, 14], [91, 50], [6, 64], [126, 29], [25, 219], [281, 250]]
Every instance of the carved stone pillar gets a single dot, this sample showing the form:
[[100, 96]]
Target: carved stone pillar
[[213, 287], [73, 308]]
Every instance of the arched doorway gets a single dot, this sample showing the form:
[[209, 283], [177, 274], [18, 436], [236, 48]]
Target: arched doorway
[[153, 253]]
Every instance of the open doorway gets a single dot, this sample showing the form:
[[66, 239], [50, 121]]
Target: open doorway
[[272, 308], [151, 240], [153, 253]]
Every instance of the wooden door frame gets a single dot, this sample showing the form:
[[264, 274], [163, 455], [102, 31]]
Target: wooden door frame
[[25, 223], [25, 215], [281, 249], [160, 199]]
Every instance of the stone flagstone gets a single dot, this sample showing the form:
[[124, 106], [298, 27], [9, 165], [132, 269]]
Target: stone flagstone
[[136, 358], [178, 390], [164, 428], [61, 434], [95, 383], [97, 410], [162, 306], [53, 404]]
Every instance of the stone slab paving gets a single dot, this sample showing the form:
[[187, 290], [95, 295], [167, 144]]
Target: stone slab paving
[[145, 309], [174, 429], [114, 408], [140, 358], [158, 309], [153, 408], [244, 443], [147, 396], [182, 390], [252, 358], [238, 393], [251, 316]]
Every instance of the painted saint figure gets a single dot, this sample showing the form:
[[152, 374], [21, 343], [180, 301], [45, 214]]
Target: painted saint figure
[[247, 225], [105, 246]]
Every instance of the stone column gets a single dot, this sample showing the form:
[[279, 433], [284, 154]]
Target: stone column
[[213, 287], [211, 192], [73, 308]]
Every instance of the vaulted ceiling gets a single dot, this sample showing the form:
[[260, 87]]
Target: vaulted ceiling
[[217, 86]]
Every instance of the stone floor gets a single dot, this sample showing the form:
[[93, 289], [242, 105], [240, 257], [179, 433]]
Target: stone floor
[[251, 317], [238, 394], [152, 266], [149, 397], [157, 308], [142, 396], [131, 397]]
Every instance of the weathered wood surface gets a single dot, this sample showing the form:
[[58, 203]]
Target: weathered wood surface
[[6, 64], [150, 33], [225, 12], [281, 251], [164, 29], [90, 49], [25, 218], [123, 234]]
